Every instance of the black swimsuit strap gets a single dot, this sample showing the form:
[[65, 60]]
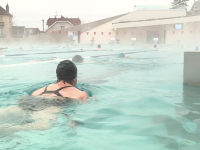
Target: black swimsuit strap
[[56, 91], [45, 90]]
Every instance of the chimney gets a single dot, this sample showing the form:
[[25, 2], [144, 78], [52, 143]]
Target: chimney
[[7, 8]]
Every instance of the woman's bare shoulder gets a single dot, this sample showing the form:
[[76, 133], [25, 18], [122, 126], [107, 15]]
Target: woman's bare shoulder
[[38, 92]]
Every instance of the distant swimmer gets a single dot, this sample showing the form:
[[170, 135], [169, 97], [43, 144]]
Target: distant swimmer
[[54, 58], [98, 47], [155, 47], [78, 59], [196, 48], [64, 87], [122, 55]]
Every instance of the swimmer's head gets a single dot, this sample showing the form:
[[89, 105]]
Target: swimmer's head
[[99, 46], [54, 58], [155, 46], [121, 55], [67, 72], [77, 59]]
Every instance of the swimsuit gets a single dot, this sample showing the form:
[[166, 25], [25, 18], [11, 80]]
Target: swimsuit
[[56, 92]]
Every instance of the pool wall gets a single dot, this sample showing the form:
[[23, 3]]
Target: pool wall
[[192, 68]]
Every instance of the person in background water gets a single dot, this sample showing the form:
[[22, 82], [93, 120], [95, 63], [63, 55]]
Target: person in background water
[[78, 59], [122, 55], [154, 47], [54, 58], [64, 87], [98, 47]]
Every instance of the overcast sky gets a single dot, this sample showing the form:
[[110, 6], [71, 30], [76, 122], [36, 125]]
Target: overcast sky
[[29, 13]]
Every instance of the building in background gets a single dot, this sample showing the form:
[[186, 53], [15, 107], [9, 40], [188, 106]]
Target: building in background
[[18, 32], [55, 24], [5, 23], [145, 26], [32, 31]]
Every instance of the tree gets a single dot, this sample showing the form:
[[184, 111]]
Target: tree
[[179, 4]]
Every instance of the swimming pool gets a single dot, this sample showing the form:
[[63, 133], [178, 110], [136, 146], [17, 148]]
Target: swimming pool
[[137, 103]]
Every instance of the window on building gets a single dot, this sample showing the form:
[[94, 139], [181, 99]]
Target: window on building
[[1, 19], [178, 26], [31, 31], [18, 31], [62, 27], [1, 31]]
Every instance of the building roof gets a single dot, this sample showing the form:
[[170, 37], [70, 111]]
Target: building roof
[[155, 22], [4, 12], [74, 21], [196, 6], [153, 19], [18, 27]]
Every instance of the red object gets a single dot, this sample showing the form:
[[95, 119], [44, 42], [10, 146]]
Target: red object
[[46, 31], [73, 32], [80, 33], [102, 33], [53, 32], [124, 33], [182, 32], [94, 33], [87, 33], [140, 33], [66, 32], [191, 32], [173, 32], [110, 33], [156, 33], [132, 33], [117, 33], [148, 33], [165, 32], [59, 32]]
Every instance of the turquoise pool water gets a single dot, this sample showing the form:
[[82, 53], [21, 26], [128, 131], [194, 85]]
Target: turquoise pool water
[[137, 103]]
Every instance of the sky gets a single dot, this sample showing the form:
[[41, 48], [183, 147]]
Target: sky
[[30, 13]]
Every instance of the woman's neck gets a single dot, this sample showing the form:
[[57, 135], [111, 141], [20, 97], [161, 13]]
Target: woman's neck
[[62, 83]]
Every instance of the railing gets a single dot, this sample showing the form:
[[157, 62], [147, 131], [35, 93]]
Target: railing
[[2, 24]]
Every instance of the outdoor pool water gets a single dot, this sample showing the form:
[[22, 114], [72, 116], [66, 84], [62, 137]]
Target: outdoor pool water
[[137, 103]]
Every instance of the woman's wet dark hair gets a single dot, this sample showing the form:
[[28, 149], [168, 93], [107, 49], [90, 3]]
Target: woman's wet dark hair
[[66, 71]]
